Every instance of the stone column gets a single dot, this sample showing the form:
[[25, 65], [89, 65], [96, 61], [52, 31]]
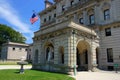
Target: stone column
[[56, 51], [72, 52], [93, 57], [66, 52]]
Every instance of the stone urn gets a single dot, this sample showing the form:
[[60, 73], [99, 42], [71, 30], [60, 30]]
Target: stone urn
[[22, 63]]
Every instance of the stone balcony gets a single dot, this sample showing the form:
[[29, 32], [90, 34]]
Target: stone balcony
[[47, 23], [63, 25]]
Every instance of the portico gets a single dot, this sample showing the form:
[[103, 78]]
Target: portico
[[60, 49]]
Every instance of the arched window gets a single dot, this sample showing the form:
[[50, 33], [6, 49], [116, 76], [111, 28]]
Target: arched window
[[36, 56], [106, 10], [80, 18], [72, 2], [47, 50], [91, 16]]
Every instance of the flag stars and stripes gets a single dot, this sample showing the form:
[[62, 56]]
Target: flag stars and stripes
[[34, 18]]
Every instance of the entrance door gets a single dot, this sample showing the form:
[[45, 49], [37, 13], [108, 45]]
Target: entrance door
[[82, 56]]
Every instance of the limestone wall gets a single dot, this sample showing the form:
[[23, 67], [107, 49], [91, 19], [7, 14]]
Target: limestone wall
[[112, 41]]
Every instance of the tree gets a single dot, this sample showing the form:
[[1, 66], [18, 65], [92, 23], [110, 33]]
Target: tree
[[9, 34]]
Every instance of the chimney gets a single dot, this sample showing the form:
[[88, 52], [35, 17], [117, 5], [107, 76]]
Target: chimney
[[48, 3]]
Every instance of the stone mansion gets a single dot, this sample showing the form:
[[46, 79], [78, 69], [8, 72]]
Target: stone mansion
[[78, 35]]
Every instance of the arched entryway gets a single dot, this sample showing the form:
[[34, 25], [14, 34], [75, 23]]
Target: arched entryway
[[36, 56], [82, 55], [61, 55]]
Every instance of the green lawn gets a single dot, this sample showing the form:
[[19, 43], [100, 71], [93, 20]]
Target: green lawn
[[32, 75]]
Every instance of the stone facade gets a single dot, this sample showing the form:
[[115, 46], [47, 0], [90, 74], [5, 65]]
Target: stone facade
[[78, 35], [15, 51]]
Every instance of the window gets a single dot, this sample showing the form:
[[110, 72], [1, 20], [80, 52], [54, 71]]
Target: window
[[106, 14], [55, 15], [108, 31], [26, 49], [72, 3], [29, 49], [109, 54], [110, 68], [61, 55], [92, 19], [45, 20], [36, 56], [49, 18], [13, 49], [63, 7], [81, 21]]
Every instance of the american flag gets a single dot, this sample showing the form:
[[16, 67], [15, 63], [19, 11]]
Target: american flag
[[34, 18]]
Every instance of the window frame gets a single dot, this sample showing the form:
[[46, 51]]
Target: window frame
[[106, 14], [63, 7], [49, 18], [81, 20], [108, 33], [92, 19], [45, 19], [71, 3], [54, 15], [110, 55]]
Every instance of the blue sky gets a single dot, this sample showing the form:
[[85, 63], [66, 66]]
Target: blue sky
[[17, 14]]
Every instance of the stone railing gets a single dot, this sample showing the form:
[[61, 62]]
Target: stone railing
[[48, 23]]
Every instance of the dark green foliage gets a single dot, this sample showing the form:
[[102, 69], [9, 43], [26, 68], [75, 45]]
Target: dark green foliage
[[32, 75], [9, 34]]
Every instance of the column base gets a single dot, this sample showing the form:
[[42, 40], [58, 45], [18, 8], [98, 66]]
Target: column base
[[94, 68]]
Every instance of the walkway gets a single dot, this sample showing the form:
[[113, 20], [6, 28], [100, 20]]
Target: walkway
[[102, 75], [14, 67]]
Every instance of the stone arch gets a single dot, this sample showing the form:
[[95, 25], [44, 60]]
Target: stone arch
[[83, 55], [61, 54], [49, 51], [80, 15], [82, 40], [90, 11], [36, 56]]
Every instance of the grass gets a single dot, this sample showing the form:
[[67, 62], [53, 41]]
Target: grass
[[32, 75]]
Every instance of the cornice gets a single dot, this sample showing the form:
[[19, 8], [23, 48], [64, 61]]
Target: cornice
[[113, 25]]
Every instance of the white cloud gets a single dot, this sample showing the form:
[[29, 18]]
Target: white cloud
[[10, 14]]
